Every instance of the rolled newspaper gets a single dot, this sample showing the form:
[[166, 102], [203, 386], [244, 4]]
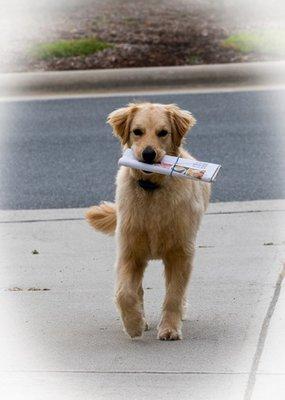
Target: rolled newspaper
[[174, 166]]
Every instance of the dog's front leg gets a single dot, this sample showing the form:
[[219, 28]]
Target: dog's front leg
[[178, 267], [129, 295]]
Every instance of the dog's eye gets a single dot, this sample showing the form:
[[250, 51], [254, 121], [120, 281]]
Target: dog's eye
[[137, 132], [162, 133]]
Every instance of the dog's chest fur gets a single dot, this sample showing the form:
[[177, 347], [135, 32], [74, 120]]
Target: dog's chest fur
[[151, 227], [157, 222]]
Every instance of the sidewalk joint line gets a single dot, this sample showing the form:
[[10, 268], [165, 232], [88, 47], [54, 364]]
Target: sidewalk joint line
[[42, 220], [270, 373], [82, 218], [262, 337], [242, 212], [127, 372]]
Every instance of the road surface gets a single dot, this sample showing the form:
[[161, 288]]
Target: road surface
[[62, 154]]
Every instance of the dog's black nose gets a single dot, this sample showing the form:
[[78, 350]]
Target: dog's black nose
[[148, 155]]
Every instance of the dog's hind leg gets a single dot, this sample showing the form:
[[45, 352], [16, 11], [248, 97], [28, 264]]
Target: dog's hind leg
[[129, 295], [141, 293], [178, 266]]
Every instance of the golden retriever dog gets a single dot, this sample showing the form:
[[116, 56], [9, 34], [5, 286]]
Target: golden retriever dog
[[154, 216]]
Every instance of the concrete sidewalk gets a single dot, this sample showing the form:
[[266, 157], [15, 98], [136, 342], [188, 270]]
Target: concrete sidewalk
[[61, 338]]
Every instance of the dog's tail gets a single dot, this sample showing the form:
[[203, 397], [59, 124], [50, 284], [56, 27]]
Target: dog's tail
[[103, 217]]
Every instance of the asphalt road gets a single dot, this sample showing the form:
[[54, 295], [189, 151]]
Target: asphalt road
[[61, 153]]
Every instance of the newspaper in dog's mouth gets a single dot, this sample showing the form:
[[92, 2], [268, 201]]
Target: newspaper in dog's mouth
[[173, 166], [147, 172]]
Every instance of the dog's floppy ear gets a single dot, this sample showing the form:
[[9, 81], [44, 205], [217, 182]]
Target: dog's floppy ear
[[120, 121], [181, 122]]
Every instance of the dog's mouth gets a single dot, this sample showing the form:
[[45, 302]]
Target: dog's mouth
[[149, 163]]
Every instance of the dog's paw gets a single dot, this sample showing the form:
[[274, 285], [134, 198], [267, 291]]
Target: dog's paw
[[169, 334], [134, 327], [134, 332]]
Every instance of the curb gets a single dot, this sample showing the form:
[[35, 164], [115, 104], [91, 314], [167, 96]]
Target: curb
[[31, 83]]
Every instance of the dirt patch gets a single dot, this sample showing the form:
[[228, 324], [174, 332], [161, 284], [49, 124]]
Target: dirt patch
[[143, 34]]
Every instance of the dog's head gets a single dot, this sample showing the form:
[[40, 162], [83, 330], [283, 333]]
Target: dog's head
[[151, 130]]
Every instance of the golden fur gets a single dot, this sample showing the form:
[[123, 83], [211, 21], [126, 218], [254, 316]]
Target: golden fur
[[161, 224]]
